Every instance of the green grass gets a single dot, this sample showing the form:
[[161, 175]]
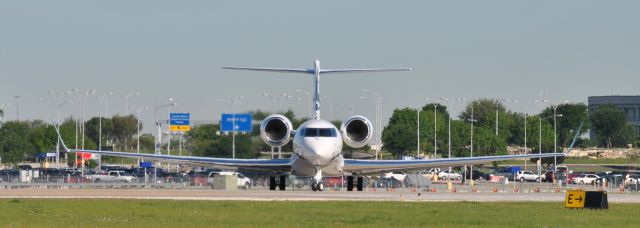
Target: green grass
[[171, 213]]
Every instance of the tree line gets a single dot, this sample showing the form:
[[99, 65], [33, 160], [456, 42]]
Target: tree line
[[400, 135], [22, 139]]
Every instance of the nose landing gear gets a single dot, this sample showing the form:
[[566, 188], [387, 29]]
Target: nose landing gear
[[317, 186]]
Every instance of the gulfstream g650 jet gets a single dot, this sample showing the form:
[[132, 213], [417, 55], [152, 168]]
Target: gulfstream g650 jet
[[317, 144]]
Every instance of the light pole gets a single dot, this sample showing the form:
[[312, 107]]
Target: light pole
[[435, 120], [540, 101], [126, 102], [555, 135], [377, 128], [435, 130], [84, 99], [58, 126], [46, 108], [449, 107], [159, 133], [138, 129], [471, 147], [17, 107], [169, 132], [236, 101], [309, 99], [101, 99]]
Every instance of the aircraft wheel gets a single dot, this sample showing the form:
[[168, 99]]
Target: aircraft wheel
[[320, 186], [272, 183]]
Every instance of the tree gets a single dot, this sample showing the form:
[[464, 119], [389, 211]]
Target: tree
[[568, 123], [484, 112], [204, 140], [14, 142], [399, 136], [606, 121], [93, 130], [42, 136], [124, 127]]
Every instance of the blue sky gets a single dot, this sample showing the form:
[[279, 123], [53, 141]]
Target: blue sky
[[471, 49]]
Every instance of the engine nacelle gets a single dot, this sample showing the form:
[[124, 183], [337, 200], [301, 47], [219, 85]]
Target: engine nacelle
[[356, 131], [275, 130]]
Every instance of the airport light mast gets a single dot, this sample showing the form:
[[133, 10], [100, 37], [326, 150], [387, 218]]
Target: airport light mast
[[159, 135]]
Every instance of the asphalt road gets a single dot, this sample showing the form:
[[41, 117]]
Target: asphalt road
[[265, 195]]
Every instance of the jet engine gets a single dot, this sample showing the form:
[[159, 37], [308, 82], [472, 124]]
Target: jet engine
[[275, 130], [356, 131]]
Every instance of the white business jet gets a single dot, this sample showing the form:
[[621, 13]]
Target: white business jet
[[317, 144]]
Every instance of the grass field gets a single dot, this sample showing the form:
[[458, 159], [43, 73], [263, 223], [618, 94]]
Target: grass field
[[146, 213]]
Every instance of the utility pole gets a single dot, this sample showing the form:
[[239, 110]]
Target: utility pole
[[17, 107]]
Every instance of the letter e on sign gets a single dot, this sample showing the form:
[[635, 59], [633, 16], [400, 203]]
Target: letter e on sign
[[575, 199]]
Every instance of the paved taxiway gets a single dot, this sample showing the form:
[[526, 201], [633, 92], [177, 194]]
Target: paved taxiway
[[264, 195]]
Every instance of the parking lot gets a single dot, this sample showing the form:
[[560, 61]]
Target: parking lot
[[419, 182]]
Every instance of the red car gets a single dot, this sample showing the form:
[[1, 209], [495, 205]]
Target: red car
[[333, 182]]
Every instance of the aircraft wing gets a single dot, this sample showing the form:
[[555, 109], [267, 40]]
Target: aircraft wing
[[281, 70], [333, 71], [222, 163], [377, 166]]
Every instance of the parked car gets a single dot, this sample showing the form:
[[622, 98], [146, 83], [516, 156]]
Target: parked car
[[242, 181], [446, 175], [429, 174], [586, 179], [632, 179], [477, 175], [396, 175], [523, 176], [507, 172], [112, 176]]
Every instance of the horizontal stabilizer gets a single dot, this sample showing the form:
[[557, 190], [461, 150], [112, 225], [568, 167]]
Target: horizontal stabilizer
[[334, 71], [281, 70]]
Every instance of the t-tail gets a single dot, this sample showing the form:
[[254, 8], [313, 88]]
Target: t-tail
[[316, 71]]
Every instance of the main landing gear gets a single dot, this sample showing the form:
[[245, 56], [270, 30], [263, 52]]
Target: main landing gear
[[359, 183], [317, 186], [281, 183]]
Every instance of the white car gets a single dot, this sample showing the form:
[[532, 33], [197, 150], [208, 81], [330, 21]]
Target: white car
[[527, 176], [445, 174], [112, 176], [396, 175], [586, 179], [243, 182]]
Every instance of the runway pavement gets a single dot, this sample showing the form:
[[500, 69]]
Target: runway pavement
[[265, 195]]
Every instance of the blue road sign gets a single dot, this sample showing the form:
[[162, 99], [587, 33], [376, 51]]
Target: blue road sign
[[146, 165], [179, 118], [243, 122]]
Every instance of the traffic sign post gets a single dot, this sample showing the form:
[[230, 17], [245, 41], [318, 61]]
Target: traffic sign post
[[586, 199], [179, 122], [575, 199], [238, 122]]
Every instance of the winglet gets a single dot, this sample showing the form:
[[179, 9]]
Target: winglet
[[64, 146], [574, 138]]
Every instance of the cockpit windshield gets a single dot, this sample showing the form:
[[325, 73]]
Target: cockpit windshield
[[319, 132]]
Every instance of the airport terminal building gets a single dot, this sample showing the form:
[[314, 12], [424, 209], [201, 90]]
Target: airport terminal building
[[629, 104]]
